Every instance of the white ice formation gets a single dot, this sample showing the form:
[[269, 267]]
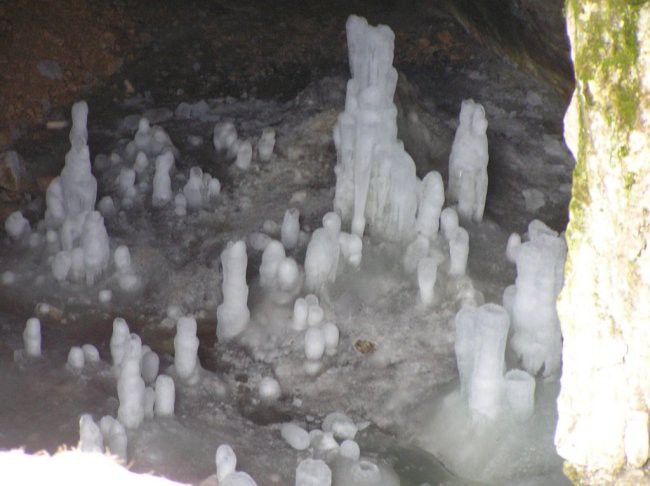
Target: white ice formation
[[244, 155], [200, 188], [126, 277], [114, 435], [233, 313], [90, 435], [266, 144], [131, 386], [468, 162], [296, 436], [119, 340], [162, 183], [70, 199], [431, 200], [481, 335], [290, 229], [322, 256], [16, 225], [520, 393], [32, 337], [427, 272], [269, 389], [537, 339], [225, 136], [165, 396], [458, 252], [375, 177], [313, 472], [186, 347], [76, 359]]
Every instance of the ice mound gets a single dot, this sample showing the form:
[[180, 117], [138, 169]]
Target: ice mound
[[537, 339], [375, 177], [468, 162]]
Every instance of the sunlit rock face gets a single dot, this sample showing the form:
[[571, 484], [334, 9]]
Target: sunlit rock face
[[604, 307]]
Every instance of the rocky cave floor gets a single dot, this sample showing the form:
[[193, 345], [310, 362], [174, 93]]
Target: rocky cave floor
[[281, 64]]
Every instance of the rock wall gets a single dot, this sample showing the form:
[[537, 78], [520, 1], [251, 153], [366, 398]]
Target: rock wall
[[604, 307]]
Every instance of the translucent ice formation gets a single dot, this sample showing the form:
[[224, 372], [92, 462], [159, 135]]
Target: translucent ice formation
[[233, 314], [225, 136], [114, 437], [162, 184], [90, 436], [468, 162], [244, 155], [540, 265], [322, 256], [481, 335], [432, 198], [313, 472], [290, 229], [130, 386], [32, 337], [458, 252], [96, 247], [375, 177], [119, 340], [16, 225], [266, 144], [165, 396], [296, 436], [186, 347], [427, 273]]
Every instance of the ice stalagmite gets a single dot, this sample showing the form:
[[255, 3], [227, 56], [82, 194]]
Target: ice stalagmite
[[468, 162], [233, 314], [32, 337], [322, 256], [186, 346], [376, 184], [540, 264], [481, 335]]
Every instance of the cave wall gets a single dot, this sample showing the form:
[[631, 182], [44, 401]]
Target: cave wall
[[530, 32], [604, 307]]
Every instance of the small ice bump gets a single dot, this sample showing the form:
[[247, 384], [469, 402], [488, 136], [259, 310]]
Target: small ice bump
[[266, 144], [226, 461], [105, 296], [8, 278], [76, 358], [315, 315], [244, 155], [290, 228], [340, 425], [512, 247], [350, 450], [313, 472], [296, 436], [91, 353], [269, 389], [32, 337], [331, 335], [165, 396], [300, 312], [534, 199], [16, 225]]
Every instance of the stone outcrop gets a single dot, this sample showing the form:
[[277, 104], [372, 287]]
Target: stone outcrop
[[604, 307]]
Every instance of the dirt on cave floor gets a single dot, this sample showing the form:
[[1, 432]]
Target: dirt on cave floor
[[180, 50]]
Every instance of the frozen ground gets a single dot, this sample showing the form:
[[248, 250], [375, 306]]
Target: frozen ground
[[394, 367]]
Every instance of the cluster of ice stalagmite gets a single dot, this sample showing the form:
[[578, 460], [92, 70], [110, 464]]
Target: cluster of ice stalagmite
[[200, 188], [280, 275], [226, 141], [336, 457], [468, 162], [233, 314], [375, 177], [531, 301], [481, 338], [77, 232]]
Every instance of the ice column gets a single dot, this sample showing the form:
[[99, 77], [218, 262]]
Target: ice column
[[130, 386], [165, 396], [375, 177], [233, 314], [481, 335], [186, 346], [322, 256], [32, 337], [290, 228], [468, 162], [90, 436], [162, 183], [540, 265], [520, 393]]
